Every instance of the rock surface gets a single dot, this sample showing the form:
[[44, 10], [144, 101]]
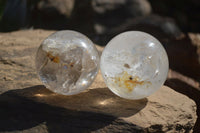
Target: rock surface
[[26, 105], [160, 27], [183, 55]]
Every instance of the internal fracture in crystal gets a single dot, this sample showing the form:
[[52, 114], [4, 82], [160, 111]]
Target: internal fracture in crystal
[[67, 62]]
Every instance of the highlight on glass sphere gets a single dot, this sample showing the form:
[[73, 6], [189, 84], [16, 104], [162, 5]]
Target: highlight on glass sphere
[[67, 62], [134, 65]]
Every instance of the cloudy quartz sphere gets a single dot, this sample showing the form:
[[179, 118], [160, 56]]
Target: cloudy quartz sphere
[[67, 62], [134, 65]]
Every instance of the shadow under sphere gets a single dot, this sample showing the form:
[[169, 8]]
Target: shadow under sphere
[[88, 111]]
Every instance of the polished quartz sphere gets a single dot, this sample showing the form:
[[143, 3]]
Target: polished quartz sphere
[[134, 65], [67, 62]]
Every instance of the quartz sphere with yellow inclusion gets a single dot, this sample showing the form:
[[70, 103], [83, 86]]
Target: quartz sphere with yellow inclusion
[[67, 62], [134, 65]]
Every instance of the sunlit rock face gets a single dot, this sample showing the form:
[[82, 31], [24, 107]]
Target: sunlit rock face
[[134, 65], [67, 62]]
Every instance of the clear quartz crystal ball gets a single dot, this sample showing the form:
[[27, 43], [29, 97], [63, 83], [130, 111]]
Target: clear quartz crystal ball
[[134, 65], [67, 62]]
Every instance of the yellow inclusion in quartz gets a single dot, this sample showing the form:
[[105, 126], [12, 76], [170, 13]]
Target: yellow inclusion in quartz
[[127, 81]]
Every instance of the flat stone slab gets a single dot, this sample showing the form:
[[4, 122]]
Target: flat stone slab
[[26, 105]]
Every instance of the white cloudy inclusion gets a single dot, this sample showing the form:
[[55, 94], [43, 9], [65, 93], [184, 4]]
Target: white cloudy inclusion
[[134, 65]]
